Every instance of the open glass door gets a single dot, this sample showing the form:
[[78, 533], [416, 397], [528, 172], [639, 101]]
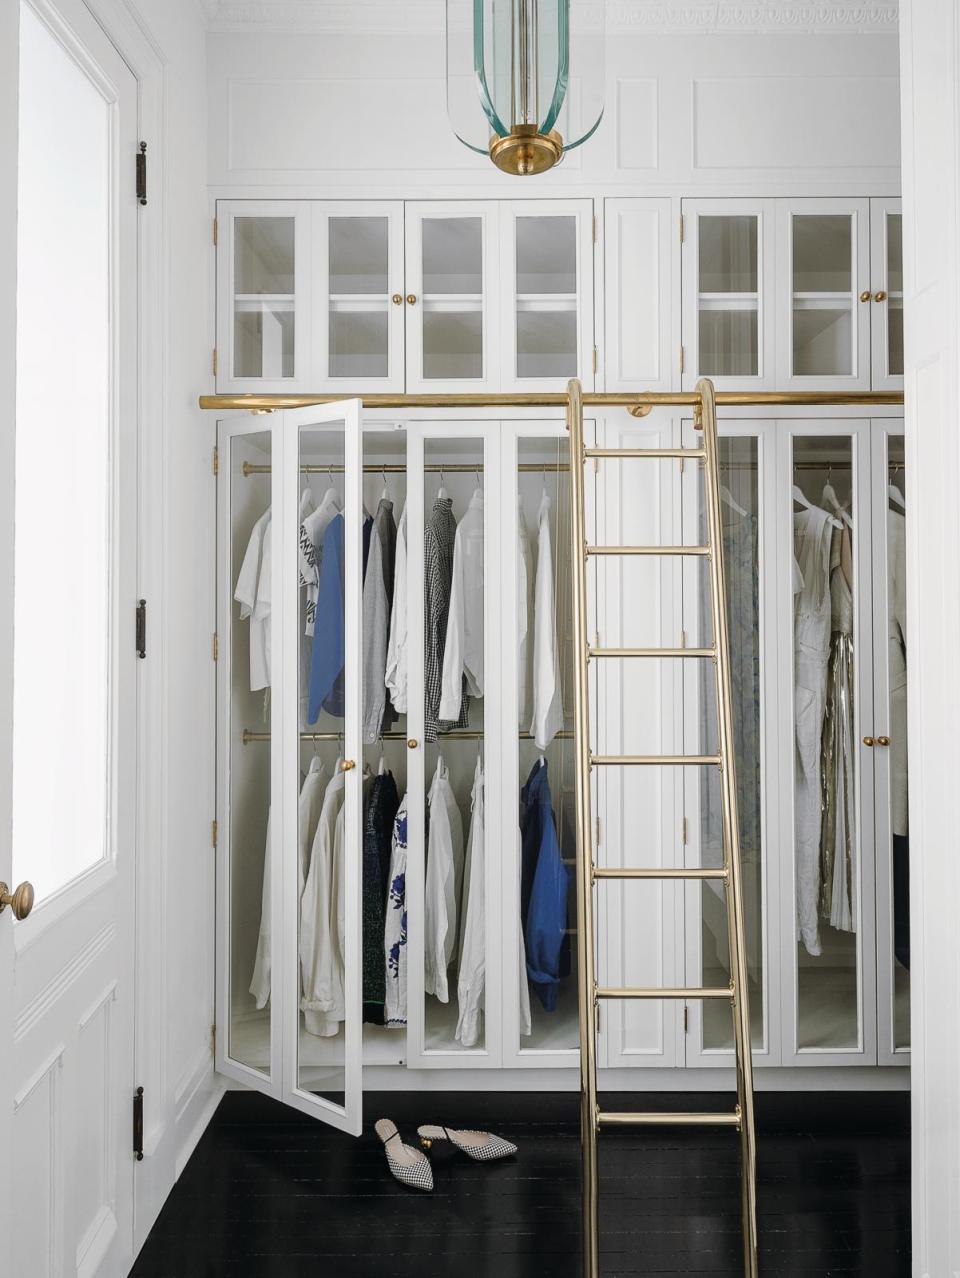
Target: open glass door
[[291, 528]]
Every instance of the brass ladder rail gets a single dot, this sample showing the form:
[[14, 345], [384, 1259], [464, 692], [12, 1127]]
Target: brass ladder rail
[[592, 1120]]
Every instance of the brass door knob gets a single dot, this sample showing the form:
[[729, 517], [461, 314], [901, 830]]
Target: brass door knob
[[347, 765], [411, 299], [868, 741], [20, 899], [883, 741], [880, 295], [412, 743], [865, 295], [397, 299]]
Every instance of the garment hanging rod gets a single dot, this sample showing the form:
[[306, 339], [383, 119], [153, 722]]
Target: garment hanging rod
[[394, 468], [640, 400], [462, 734]]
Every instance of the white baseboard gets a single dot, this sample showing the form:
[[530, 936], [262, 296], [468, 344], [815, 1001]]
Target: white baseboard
[[197, 1097]]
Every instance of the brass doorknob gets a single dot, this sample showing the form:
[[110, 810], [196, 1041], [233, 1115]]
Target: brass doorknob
[[397, 299], [411, 299], [865, 295], [20, 899], [347, 765], [883, 741], [412, 743], [880, 295], [868, 741]]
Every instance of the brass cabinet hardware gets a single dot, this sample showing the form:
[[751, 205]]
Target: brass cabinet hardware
[[412, 743], [865, 295], [411, 299], [883, 741], [347, 765], [868, 741], [397, 299], [20, 899], [880, 295]]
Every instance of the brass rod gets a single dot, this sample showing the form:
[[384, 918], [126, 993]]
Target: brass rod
[[634, 991], [652, 872], [648, 550], [395, 468], [731, 835], [685, 454], [459, 734], [547, 399], [652, 652], [586, 981], [611, 1118], [653, 760]]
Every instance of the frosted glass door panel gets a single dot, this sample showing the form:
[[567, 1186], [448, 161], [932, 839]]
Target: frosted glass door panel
[[894, 291], [728, 300], [359, 297], [546, 296], [823, 297], [452, 301], [264, 297]]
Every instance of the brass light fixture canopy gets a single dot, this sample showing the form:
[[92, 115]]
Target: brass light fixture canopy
[[525, 150]]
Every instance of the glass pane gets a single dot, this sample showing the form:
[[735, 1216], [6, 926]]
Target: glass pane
[[729, 342], [728, 253], [61, 701], [895, 337], [263, 270], [323, 836], [822, 252], [546, 255], [822, 340], [894, 253], [452, 341], [452, 298], [897, 677], [546, 340], [454, 746], [452, 255], [547, 837], [358, 254], [358, 340], [825, 798], [738, 468], [251, 953], [894, 223]]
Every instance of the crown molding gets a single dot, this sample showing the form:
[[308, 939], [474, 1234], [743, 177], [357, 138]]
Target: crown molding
[[660, 17]]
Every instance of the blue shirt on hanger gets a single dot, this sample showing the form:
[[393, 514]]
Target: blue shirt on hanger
[[327, 657], [544, 884]]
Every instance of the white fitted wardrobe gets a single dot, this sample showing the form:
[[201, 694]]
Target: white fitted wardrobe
[[505, 295]]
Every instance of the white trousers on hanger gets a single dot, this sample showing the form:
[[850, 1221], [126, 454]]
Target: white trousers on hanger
[[810, 702]]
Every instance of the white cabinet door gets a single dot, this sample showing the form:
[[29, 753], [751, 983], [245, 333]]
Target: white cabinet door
[[452, 299], [264, 282], [546, 310], [823, 294], [639, 236], [889, 730], [886, 285], [288, 906], [357, 292], [729, 290]]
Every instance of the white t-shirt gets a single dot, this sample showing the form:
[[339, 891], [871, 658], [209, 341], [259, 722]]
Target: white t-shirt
[[252, 593]]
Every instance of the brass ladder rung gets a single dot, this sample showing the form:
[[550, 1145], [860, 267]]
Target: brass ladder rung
[[653, 872], [611, 1118], [682, 453], [652, 760], [647, 550], [651, 652], [636, 991]]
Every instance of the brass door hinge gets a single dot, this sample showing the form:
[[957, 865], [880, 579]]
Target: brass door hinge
[[213, 1039], [214, 361], [138, 1124], [141, 181], [681, 228], [213, 832], [683, 831], [216, 459], [215, 232], [597, 828], [216, 646], [681, 360], [594, 228], [594, 359], [686, 1019]]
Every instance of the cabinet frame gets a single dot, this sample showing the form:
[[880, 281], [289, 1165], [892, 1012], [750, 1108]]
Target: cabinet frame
[[638, 353], [882, 378]]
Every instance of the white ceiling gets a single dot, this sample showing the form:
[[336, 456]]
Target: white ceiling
[[666, 16]]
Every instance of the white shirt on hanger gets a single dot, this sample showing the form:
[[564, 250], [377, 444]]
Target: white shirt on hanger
[[444, 872], [396, 673], [547, 717], [250, 582], [321, 969], [463, 650], [524, 617], [471, 973]]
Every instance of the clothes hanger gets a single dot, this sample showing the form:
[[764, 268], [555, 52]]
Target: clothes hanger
[[802, 499], [829, 498], [442, 490], [385, 494], [735, 506], [894, 493]]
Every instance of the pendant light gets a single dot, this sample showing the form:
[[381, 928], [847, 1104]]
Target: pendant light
[[525, 78]]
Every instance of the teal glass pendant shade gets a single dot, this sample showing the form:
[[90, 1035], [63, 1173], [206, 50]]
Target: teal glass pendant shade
[[525, 78]]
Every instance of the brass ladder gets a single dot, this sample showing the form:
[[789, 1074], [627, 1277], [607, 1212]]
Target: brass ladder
[[592, 1119]]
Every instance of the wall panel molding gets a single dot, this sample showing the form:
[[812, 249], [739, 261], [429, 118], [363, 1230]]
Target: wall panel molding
[[68, 974]]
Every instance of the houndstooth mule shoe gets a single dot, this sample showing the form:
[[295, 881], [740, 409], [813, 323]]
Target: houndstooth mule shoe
[[407, 1164], [482, 1146]]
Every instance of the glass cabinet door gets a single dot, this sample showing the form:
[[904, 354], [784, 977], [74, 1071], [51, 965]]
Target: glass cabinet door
[[452, 266], [829, 943], [825, 293], [262, 321], [886, 278], [358, 301], [547, 304], [728, 279]]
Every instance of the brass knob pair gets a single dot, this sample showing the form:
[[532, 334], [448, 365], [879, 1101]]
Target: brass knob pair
[[872, 741], [879, 296], [20, 899], [397, 299]]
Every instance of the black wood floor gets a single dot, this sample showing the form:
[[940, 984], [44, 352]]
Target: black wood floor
[[270, 1194]]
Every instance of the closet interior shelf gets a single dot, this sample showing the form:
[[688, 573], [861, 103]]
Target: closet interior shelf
[[398, 468], [461, 734]]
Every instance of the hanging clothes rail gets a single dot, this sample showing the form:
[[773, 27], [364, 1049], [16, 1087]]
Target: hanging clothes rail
[[395, 468], [641, 401], [461, 734]]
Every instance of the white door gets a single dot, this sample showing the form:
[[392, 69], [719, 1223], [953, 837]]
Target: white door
[[639, 236], [72, 734], [886, 284], [289, 960]]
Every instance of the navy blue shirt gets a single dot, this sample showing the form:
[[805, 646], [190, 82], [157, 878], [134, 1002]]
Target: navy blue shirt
[[544, 884]]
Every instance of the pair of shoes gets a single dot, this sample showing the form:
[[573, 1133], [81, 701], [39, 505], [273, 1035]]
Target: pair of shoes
[[411, 1167]]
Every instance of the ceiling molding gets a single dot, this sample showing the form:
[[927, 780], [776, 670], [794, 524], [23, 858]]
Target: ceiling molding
[[383, 17]]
